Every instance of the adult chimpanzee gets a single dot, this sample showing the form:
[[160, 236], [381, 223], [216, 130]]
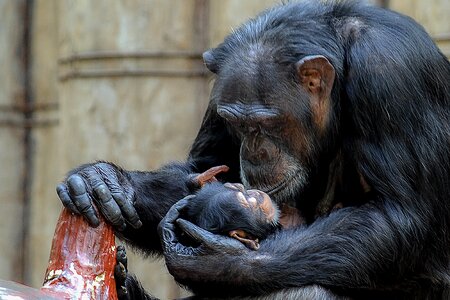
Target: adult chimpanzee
[[313, 102]]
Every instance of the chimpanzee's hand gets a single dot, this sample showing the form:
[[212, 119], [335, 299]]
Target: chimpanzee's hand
[[108, 187], [196, 264]]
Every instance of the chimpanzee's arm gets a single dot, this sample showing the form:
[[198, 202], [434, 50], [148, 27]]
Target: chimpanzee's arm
[[135, 202], [354, 248], [154, 193]]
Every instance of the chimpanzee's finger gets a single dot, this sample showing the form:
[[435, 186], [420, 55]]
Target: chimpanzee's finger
[[126, 206], [121, 272], [104, 200], [198, 234], [210, 240], [107, 205], [81, 199], [63, 194], [166, 227], [121, 256], [120, 276], [176, 209]]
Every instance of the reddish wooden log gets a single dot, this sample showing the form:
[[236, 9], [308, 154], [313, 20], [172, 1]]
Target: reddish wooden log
[[82, 260]]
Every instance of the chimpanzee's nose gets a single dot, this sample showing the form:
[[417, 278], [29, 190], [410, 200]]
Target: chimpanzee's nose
[[256, 150]]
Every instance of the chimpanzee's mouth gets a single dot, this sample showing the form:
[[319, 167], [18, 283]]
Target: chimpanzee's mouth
[[280, 181], [281, 186], [273, 190]]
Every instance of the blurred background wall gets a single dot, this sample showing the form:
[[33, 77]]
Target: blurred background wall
[[117, 80]]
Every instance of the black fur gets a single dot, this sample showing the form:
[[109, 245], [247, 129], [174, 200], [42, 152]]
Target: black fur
[[390, 125]]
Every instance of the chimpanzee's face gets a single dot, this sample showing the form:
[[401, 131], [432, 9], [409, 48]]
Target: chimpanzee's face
[[274, 146], [280, 112]]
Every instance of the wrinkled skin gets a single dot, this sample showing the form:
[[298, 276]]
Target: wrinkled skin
[[100, 182]]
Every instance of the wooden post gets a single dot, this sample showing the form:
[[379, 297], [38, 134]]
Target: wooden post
[[82, 260]]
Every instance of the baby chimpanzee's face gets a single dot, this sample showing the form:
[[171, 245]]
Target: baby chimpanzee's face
[[256, 200], [229, 209]]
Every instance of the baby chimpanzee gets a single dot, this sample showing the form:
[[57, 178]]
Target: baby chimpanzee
[[229, 209], [246, 215]]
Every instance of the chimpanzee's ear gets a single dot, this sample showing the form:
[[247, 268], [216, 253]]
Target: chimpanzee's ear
[[210, 61], [316, 75]]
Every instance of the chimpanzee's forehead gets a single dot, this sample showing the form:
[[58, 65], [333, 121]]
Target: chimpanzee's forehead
[[249, 60], [249, 75]]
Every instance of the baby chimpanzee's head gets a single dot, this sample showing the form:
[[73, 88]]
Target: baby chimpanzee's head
[[229, 209]]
